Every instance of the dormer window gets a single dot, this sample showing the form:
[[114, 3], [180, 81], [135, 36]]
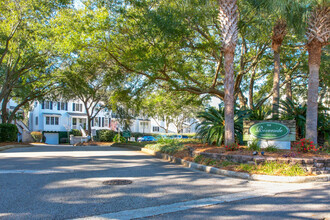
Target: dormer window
[[47, 105]]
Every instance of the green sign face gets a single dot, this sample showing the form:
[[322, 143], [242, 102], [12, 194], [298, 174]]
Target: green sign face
[[269, 130], [126, 134]]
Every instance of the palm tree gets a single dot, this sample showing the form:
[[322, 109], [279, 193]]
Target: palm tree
[[212, 127], [288, 14], [318, 33], [279, 32], [228, 17]]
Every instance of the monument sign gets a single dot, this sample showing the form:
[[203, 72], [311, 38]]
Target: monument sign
[[278, 133]]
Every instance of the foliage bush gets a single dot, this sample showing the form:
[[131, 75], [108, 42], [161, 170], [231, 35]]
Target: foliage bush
[[291, 110], [232, 147], [36, 135], [168, 141], [105, 135], [75, 132], [116, 139], [166, 148], [305, 145], [8, 132], [261, 113], [212, 127], [254, 145], [271, 148]]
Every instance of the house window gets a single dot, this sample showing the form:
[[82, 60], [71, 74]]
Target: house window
[[62, 106], [144, 125], [74, 121], [155, 129], [96, 122], [37, 120], [106, 122], [47, 105], [52, 120], [76, 107]]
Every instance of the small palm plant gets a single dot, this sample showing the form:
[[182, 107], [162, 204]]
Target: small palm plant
[[212, 128], [292, 111], [261, 113]]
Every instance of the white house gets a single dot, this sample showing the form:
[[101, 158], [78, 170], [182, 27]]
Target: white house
[[56, 118]]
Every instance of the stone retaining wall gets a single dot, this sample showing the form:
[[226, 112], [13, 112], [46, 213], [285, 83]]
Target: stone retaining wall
[[314, 165]]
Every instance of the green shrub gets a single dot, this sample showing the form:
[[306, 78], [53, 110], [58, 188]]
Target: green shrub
[[271, 148], [75, 132], [116, 139], [36, 135], [8, 132], [105, 135], [165, 148], [168, 141], [254, 145]]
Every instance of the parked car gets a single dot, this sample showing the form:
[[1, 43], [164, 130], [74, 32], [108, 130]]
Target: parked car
[[146, 138], [179, 137]]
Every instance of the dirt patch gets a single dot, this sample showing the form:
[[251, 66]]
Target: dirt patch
[[12, 143]]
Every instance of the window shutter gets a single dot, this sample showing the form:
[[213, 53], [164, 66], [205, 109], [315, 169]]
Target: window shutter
[[93, 122], [51, 105], [58, 106], [80, 107], [102, 121], [73, 107], [43, 105], [66, 106]]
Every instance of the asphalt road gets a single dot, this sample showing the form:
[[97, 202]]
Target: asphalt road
[[65, 182]]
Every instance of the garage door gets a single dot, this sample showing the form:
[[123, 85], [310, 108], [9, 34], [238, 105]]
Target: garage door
[[51, 138]]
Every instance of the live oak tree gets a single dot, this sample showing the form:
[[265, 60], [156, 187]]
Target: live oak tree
[[26, 56], [172, 107]]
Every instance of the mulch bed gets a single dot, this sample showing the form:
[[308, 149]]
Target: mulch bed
[[244, 151]]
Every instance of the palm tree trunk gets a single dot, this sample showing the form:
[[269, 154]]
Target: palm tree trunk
[[228, 23], [279, 32], [276, 84], [229, 98], [314, 60]]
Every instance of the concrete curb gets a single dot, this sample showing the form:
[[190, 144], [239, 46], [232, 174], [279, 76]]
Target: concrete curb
[[241, 175]]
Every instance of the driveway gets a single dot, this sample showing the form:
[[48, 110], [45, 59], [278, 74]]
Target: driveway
[[65, 182]]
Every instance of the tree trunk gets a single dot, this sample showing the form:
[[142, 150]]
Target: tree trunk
[[251, 89], [4, 112], [228, 23], [276, 84], [279, 32], [229, 98], [241, 98], [288, 88], [314, 60]]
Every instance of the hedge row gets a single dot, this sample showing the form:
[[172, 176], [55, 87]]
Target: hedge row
[[8, 132]]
